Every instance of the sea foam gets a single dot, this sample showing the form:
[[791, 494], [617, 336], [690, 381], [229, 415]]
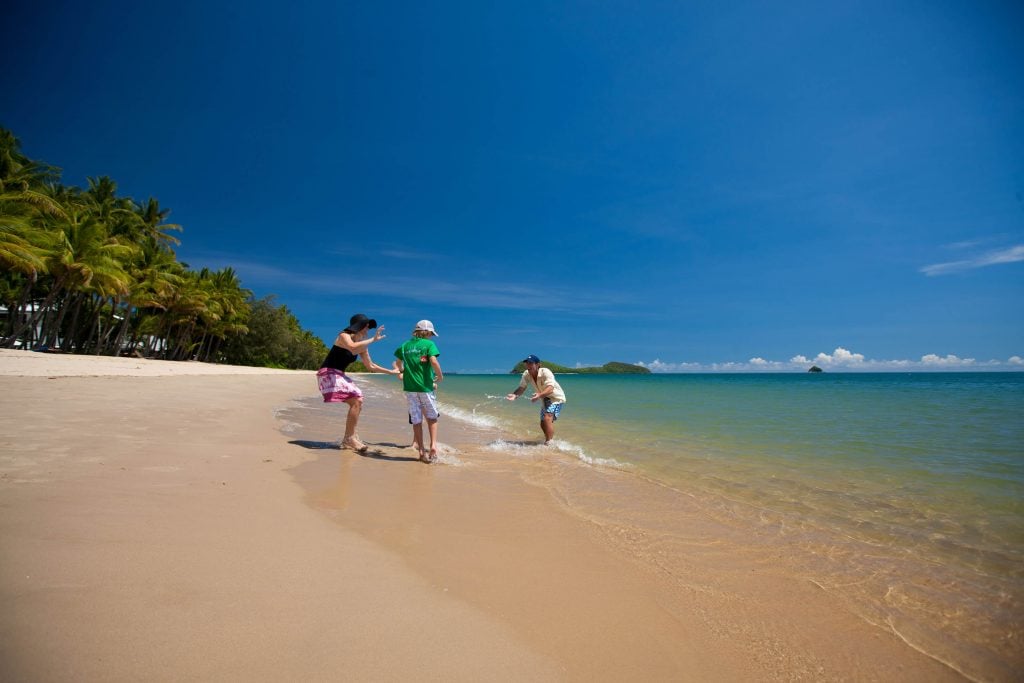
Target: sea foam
[[471, 416], [535, 448], [581, 454]]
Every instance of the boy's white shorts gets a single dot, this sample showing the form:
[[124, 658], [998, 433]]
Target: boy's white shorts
[[421, 404]]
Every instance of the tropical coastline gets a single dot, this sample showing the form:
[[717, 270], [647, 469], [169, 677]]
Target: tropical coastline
[[754, 266], [173, 527]]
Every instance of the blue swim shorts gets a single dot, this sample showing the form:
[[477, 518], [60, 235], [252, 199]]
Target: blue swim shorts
[[554, 409]]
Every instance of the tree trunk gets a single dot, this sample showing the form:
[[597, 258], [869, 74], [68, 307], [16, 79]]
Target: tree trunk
[[74, 301], [122, 331], [93, 329], [32, 320], [15, 315]]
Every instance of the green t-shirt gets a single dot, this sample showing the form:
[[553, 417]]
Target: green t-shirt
[[415, 355]]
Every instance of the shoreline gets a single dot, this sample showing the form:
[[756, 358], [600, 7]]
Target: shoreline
[[165, 528], [745, 603]]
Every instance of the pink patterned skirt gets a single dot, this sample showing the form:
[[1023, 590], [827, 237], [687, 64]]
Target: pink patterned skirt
[[335, 386]]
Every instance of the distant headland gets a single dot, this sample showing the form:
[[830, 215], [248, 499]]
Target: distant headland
[[612, 368]]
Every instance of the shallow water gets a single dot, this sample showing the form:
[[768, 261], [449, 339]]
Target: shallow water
[[900, 493]]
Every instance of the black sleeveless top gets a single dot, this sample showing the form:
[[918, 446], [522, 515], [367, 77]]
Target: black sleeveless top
[[338, 358]]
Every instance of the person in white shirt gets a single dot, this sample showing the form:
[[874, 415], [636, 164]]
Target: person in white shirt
[[546, 389]]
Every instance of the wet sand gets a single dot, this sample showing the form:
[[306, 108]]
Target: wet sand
[[159, 526]]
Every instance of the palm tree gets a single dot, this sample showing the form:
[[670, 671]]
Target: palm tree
[[229, 301], [153, 222], [84, 259], [23, 240], [155, 273], [96, 272], [143, 227]]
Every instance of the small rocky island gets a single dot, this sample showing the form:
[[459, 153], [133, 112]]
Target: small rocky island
[[815, 368]]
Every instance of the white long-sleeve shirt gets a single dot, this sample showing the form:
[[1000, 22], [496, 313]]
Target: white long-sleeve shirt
[[545, 379]]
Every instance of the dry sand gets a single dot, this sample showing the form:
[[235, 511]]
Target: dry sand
[[157, 526]]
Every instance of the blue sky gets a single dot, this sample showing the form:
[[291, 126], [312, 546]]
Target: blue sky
[[692, 186]]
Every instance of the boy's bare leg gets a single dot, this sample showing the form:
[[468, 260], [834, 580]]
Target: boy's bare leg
[[432, 428], [417, 438]]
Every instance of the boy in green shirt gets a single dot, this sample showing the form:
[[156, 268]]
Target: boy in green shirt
[[420, 373]]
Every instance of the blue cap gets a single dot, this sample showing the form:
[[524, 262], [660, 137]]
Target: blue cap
[[531, 359]]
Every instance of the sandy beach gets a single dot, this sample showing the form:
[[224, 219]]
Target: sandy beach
[[159, 525]]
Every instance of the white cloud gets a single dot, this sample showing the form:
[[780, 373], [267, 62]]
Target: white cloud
[[948, 361], [408, 255], [435, 290], [659, 366], [839, 357], [960, 246], [1010, 255], [840, 360]]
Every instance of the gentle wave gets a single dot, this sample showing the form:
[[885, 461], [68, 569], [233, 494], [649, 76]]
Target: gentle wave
[[471, 416], [536, 448]]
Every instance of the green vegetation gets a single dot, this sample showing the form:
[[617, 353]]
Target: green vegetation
[[86, 271], [612, 368], [275, 340]]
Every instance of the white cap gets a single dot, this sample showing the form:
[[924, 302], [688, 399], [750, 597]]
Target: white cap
[[426, 326]]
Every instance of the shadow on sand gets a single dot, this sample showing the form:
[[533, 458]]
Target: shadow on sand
[[374, 453], [378, 454], [317, 445]]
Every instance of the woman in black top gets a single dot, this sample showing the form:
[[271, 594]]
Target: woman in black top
[[336, 386]]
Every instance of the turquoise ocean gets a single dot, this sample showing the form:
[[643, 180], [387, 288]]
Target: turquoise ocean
[[902, 494]]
